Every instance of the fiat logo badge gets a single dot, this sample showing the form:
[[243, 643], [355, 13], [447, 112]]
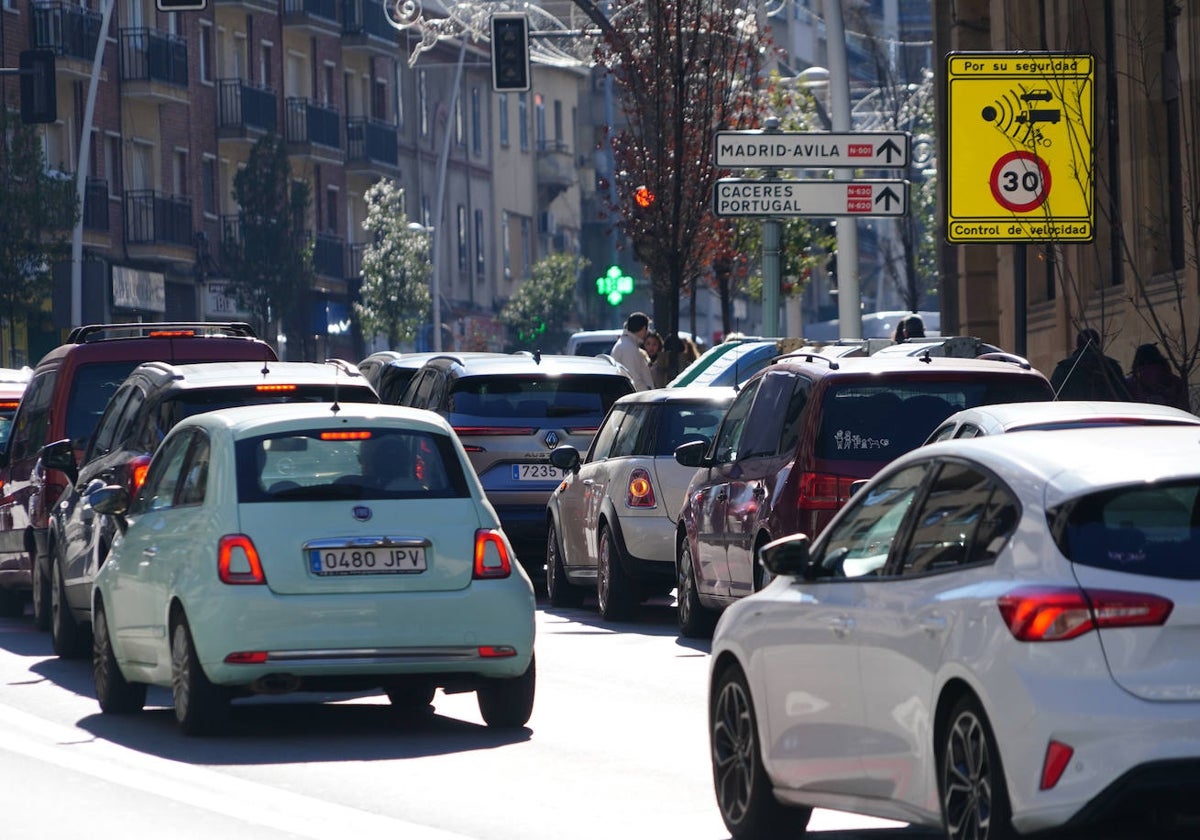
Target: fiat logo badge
[[362, 513], [551, 440]]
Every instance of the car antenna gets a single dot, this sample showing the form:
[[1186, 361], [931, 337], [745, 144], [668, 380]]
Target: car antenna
[[266, 361], [337, 372], [537, 355]]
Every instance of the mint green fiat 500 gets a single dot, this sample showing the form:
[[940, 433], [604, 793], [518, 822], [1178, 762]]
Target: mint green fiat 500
[[310, 548]]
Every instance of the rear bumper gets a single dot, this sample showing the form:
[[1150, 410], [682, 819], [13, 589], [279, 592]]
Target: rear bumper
[[1162, 796], [525, 527]]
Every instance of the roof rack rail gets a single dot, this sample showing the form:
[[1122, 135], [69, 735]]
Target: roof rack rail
[[1011, 358], [808, 356], [96, 332], [346, 367], [451, 356]]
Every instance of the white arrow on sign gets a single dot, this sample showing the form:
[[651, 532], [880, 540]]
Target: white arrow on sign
[[748, 197], [811, 150]]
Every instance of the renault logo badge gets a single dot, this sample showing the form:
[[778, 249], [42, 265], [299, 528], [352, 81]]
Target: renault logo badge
[[551, 440], [362, 513]]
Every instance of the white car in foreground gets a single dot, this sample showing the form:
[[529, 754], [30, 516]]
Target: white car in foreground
[[997, 636]]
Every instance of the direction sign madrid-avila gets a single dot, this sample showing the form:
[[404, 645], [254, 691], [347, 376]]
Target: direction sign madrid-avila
[[749, 197], [811, 150]]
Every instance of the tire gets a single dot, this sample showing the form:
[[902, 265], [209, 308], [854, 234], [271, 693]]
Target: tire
[[508, 703], [41, 598], [560, 591], [411, 696], [761, 576], [616, 595], [744, 792], [68, 638], [201, 708], [117, 696], [696, 621], [971, 782]]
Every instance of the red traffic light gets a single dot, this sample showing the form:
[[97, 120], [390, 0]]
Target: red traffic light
[[643, 196]]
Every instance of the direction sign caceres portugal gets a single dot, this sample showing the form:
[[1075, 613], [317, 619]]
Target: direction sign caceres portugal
[[749, 197]]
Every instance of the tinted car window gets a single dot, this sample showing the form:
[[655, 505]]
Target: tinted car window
[[729, 438], [859, 543], [603, 441], [767, 417], [680, 423], [536, 397], [632, 427], [91, 389], [1146, 529], [110, 422], [29, 427], [964, 518], [385, 464]]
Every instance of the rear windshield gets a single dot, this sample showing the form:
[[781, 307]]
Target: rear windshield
[[880, 422], [537, 397], [381, 464], [186, 403], [91, 387], [1145, 529], [681, 423]]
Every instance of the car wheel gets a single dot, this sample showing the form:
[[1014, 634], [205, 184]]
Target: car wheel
[[117, 696], [65, 634], [614, 590], [971, 779], [41, 598], [508, 703], [560, 591], [200, 707], [696, 621], [744, 793], [12, 603]]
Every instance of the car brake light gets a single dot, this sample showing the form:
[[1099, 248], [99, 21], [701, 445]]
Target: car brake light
[[138, 468], [172, 333], [491, 555], [497, 651], [247, 657], [1058, 756], [237, 561], [641, 492], [479, 431], [1050, 614], [9, 405], [823, 491], [356, 435], [273, 388]]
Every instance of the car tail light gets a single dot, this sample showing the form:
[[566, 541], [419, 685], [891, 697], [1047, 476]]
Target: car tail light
[[247, 657], [9, 405], [641, 491], [497, 651], [354, 435], [138, 468], [1052, 614], [172, 333], [491, 555], [490, 431], [823, 491], [1058, 756], [237, 561]]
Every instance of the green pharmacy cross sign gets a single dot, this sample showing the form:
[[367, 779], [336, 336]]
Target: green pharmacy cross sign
[[614, 285]]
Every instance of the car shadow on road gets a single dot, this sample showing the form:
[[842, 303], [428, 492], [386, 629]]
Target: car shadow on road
[[655, 617]]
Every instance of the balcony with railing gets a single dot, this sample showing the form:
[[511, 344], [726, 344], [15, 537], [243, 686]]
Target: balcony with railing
[[555, 169], [315, 16], [312, 130], [355, 251], [158, 226], [245, 111], [365, 27], [329, 256], [371, 145], [70, 32], [154, 65]]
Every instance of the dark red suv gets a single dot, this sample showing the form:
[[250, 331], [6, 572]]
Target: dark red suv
[[792, 443], [65, 398]]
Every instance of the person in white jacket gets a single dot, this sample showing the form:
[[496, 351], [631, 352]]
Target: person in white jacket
[[628, 350]]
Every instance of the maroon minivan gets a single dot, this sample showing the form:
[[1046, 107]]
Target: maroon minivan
[[66, 396], [794, 441]]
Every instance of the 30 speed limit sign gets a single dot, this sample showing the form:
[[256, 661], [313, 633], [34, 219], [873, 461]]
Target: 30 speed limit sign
[[1020, 182]]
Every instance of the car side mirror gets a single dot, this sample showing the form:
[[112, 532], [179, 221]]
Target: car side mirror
[[691, 454], [787, 556], [60, 455], [565, 457], [111, 500]]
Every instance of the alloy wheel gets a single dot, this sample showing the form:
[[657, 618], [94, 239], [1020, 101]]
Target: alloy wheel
[[967, 788], [733, 746]]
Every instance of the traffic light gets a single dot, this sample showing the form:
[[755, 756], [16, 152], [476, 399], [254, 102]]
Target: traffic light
[[510, 51], [643, 197], [614, 284], [39, 87]]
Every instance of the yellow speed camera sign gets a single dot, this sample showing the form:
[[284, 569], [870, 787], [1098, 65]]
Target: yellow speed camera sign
[[1020, 150]]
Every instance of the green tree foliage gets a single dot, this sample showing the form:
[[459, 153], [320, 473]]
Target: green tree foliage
[[269, 255], [683, 69], [38, 211], [396, 268], [540, 308]]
